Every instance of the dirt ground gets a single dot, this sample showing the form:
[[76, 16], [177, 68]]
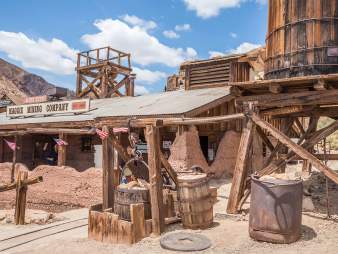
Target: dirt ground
[[62, 188], [229, 234]]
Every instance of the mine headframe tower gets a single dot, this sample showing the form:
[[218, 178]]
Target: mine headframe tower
[[103, 73]]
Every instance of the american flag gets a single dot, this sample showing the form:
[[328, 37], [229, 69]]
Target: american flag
[[120, 130], [60, 142], [11, 145], [103, 134]]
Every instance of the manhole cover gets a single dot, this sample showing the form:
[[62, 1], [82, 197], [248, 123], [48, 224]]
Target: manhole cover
[[185, 242]]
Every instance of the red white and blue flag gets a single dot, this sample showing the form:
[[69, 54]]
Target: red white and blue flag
[[120, 130], [60, 142], [11, 145], [103, 134]]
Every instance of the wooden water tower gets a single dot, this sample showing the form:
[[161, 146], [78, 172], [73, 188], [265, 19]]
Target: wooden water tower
[[104, 73], [302, 38]]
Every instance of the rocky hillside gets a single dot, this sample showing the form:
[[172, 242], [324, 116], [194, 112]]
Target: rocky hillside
[[19, 83]]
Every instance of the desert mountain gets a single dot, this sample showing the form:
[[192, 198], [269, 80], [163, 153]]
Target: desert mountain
[[16, 83]]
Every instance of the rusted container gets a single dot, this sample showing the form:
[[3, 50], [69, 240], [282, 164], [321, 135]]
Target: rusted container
[[302, 38], [275, 210], [195, 202], [124, 197]]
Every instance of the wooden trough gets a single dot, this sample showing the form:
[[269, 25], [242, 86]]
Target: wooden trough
[[105, 226]]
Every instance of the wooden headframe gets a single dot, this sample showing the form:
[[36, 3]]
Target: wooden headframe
[[103, 73]]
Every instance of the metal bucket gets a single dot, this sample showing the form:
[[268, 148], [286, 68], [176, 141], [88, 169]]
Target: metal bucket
[[275, 210]]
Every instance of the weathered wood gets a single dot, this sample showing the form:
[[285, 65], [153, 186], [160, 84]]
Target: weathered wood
[[14, 158], [265, 139], [240, 172], [62, 151], [202, 120], [315, 138], [21, 193], [299, 150], [196, 205], [138, 220], [107, 166], [154, 162], [326, 97], [171, 172], [13, 186], [125, 232]]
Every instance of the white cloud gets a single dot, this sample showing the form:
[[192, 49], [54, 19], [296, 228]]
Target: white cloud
[[213, 54], [211, 8], [183, 27], [147, 76], [140, 90], [241, 49], [244, 48], [141, 23], [233, 35], [54, 56], [145, 48], [171, 34]]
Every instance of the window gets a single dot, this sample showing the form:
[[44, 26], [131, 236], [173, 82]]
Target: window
[[87, 144]]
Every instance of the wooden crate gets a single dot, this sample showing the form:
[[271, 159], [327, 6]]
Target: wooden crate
[[107, 227]]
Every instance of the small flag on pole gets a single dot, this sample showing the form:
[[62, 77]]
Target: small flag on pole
[[120, 130], [11, 145], [60, 142], [103, 134]]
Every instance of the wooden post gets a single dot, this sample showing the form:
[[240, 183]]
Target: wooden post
[[62, 151], [107, 166], [131, 87], [116, 165], [21, 194], [156, 195], [2, 150], [14, 159], [138, 221], [241, 170]]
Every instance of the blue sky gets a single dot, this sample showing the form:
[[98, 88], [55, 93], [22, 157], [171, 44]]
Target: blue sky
[[44, 36]]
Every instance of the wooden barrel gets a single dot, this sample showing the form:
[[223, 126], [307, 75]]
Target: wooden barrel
[[302, 38], [196, 206], [124, 197]]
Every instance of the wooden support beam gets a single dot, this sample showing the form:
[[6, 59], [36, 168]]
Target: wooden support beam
[[275, 88], [326, 97], [107, 166], [315, 138], [299, 126], [62, 151], [241, 169], [116, 164], [12, 186], [299, 150], [14, 159], [265, 139], [202, 120], [156, 194], [2, 149], [171, 172], [21, 196]]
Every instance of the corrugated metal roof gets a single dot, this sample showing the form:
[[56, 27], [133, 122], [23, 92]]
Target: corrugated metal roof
[[167, 103]]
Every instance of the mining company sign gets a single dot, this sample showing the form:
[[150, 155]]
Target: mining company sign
[[49, 108]]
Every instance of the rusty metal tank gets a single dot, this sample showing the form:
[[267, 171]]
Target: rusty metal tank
[[275, 210], [302, 38]]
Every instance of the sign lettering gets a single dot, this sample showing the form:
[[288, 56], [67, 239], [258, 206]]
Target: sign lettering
[[49, 108]]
